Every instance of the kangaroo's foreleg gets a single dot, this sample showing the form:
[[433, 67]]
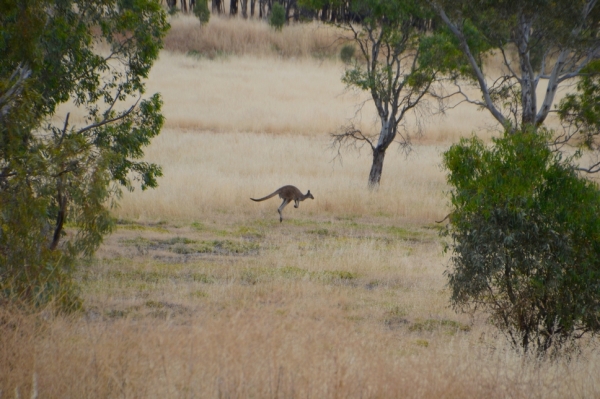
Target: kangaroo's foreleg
[[280, 209], [296, 203]]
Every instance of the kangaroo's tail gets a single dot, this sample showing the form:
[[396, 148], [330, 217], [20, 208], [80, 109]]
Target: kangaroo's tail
[[267, 197], [447, 216]]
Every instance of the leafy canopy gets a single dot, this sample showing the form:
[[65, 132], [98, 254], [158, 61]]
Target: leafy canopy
[[59, 174], [525, 240]]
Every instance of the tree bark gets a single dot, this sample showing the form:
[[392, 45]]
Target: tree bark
[[528, 95], [244, 6], [218, 6], [489, 104], [60, 217], [376, 168]]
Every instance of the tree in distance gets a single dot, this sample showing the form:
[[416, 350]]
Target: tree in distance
[[202, 12], [347, 53], [59, 179], [277, 17], [525, 239], [393, 67]]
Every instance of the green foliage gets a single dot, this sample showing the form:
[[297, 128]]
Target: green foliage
[[347, 53], [442, 49], [581, 110], [390, 68], [525, 240], [53, 174], [202, 12], [277, 17]]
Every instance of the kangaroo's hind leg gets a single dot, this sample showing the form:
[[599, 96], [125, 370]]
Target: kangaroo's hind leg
[[280, 209]]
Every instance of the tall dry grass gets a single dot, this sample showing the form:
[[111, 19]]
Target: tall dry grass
[[213, 175], [253, 354], [225, 36]]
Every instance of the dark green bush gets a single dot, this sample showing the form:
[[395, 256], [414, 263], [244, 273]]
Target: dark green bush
[[347, 53], [277, 18], [525, 241], [202, 12]]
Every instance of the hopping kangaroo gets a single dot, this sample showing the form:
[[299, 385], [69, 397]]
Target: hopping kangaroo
[[289, 194]]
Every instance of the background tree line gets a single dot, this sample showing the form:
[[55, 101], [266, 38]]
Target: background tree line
[[295, 10]]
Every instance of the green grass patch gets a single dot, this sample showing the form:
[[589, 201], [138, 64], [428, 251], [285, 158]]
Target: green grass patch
[[198, 226], [187, 246], [292, 272], [449, 327], [404, 234], [333, 276], [202, 278], [321, 232], [395, 317], [198, 294], [249, 232], [140, 276]]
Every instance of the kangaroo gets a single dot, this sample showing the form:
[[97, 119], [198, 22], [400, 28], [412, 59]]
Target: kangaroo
[[449, 216], [289, 194]]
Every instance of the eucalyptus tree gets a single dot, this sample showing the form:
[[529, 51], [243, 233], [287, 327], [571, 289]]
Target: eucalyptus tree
[[541, 44], [525, 240], [59, 174], [524, 229], [394, 66]]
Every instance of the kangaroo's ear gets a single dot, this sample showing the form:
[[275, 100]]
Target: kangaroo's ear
[[308, 192]]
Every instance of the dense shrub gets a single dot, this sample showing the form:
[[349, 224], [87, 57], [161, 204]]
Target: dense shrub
[[347, 53], [277, 18], [525, 241]]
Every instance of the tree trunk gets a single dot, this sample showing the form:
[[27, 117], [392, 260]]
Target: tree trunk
[[325, 12], [233, 8], [218, 6], [252, 5], [60, 217], [244, 6], [528, 95], [376, 168]]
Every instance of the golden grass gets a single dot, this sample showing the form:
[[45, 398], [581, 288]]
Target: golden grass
[[301, 309], [211, 176], [201, 292], [224, 36]]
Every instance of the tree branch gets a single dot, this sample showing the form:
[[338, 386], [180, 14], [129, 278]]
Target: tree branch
[[21, 74], [478, 72]]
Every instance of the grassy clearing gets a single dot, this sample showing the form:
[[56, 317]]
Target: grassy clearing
[[201, 292], [337, 309]]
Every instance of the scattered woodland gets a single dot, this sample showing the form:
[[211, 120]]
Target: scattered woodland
[[201, 292]]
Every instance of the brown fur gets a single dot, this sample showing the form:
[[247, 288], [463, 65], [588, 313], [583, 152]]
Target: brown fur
[[288, 194], [448, 216]]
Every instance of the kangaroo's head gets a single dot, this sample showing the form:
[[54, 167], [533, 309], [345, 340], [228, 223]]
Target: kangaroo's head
[[309, 195]]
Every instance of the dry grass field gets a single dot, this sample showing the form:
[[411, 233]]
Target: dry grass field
[[202, 293]]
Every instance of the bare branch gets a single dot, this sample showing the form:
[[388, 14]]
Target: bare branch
[[111, 120]]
